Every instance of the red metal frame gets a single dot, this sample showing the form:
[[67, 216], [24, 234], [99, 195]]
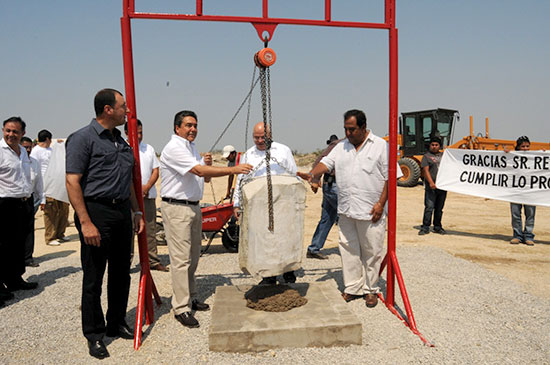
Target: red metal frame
[[263, 25]]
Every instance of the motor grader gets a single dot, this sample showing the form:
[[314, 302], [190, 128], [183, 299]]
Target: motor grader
[[416, 128]]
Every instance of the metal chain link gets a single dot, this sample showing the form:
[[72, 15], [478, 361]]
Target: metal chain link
[[264, 71], [248, 111], [247, 97], [250, 176]]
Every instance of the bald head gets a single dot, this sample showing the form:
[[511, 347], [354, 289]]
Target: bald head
[[258, 134]]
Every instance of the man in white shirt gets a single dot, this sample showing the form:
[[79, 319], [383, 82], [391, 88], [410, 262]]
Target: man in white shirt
[[39, 200], [56, 212], [182, 183], [149, 167], [284, 164], [361, 166], [15, 208]]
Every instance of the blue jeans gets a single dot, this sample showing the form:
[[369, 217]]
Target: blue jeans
[[434, 200], [521, 233], [329, 215]]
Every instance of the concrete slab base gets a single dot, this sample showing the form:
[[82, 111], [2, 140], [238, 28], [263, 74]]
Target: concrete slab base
[[324, 321]]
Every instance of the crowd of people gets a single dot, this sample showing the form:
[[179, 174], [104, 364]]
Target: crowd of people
[[353, 174]]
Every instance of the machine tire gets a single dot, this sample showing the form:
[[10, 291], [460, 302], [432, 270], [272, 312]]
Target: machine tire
[[230, 237], [411, 172]]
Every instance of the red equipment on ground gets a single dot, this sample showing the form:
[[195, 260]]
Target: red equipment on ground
[[266, 24]]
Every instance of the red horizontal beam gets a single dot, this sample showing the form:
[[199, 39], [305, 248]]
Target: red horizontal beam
[[244, 19]]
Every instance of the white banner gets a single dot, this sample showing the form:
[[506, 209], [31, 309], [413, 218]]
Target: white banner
[[517, 176]]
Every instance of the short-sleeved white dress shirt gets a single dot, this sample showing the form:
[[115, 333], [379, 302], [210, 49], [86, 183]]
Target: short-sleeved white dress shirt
[[360, 175], [177, 158], [148, 161], [254, 156]]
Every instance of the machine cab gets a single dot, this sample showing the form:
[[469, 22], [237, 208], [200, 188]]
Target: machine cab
[[418, 127]]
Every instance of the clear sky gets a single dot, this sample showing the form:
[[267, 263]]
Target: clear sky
[[485, 58]]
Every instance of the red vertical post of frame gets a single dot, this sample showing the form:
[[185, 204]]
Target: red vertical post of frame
[[328, 10], [265, 7], [392, 163], [199, 7], [145, 289]]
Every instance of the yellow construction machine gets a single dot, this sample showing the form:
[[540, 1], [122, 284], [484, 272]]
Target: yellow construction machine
[[416, 129]]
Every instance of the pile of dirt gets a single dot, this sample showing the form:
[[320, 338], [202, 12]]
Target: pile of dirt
[[274, 298]]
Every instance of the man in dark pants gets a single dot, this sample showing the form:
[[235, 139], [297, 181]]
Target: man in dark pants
[[329, 212], [434, 199], [15, 208], [99, 183]]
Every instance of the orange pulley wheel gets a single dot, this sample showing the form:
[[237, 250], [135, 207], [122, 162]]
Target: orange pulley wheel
[[265, 57]]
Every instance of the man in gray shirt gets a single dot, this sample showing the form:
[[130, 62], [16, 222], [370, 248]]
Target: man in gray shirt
[[99, 183], [434, 199]]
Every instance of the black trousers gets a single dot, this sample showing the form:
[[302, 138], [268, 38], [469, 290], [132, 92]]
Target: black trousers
[[434, 200], [29, 240], [14, 225], [114, 223]]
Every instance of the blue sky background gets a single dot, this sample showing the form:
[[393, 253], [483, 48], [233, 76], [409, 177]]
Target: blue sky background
[[484, 58]]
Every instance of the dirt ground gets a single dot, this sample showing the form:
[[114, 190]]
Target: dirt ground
[[478, 230]]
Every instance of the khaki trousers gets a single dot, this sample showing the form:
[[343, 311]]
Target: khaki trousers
[[361, 248], [183, 227], [150, 217], [56, 219]]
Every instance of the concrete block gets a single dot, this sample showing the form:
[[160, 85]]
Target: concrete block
[[324, 321]]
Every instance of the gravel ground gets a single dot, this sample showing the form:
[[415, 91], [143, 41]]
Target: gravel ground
[[470, 314]]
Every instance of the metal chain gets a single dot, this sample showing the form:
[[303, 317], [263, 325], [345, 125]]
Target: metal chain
[[248, 111], [264, 71], [269, 103], [250, 176], [248, 96]]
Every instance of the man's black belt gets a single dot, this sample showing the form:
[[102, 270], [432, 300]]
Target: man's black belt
[[180, 201], [19, 199], [110, 201]]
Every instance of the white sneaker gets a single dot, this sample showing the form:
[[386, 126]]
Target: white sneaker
[[63, 239], [54, 243]]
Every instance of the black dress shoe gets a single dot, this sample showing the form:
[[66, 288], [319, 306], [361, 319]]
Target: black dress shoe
[[289, 277], [5, 295], [22, 285], [31, 263], [122, 331], [316, 255], [270, 280], [199, 306], [187, 320], [98, 349]]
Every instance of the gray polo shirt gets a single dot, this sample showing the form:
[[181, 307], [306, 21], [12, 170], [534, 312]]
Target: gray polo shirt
[[432, 161], [103, 158]]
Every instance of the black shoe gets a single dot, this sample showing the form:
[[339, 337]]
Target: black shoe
[[22, 285], [122, 331], [187, 319], [423, 232], [271, 280], [199, 306], [289, 277], [98, 349], [32, 263], [439, 230], [316, 255], [5, 294], [1, 303]]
